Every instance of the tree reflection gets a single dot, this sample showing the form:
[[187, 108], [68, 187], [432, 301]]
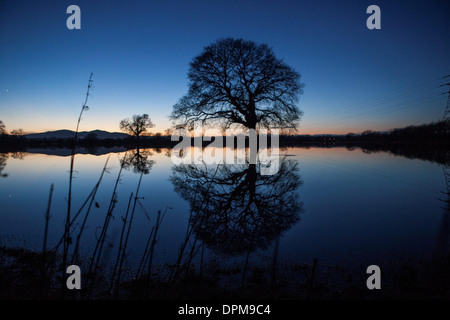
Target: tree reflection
[[235, 209], [18, 155], [3, 159], [138, 160]]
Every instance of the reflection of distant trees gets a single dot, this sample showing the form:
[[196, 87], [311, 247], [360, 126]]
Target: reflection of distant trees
[[235, 209], [3, 159], [429, 153], [168, 152], [138, 160], [18, 155]]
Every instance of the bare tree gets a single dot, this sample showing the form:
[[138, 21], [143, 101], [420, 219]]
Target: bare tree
[[136, 126], [17, 133], [168, 132], [234, 81]]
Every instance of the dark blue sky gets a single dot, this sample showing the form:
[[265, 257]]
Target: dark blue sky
[[139, 51]]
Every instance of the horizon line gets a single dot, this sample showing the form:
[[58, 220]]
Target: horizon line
[[286, 134]]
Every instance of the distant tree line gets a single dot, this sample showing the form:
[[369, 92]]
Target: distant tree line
[[428, 142], [428, 135], [435, 133]]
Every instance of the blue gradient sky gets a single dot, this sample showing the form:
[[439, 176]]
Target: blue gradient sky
[[139, 52]]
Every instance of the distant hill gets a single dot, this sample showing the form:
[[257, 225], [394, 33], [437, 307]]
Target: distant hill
[[66, 134]]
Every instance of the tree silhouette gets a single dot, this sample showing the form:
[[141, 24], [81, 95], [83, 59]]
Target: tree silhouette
[[234, 81], [136, 126], [3, 132], [17, 133], [235, 209]]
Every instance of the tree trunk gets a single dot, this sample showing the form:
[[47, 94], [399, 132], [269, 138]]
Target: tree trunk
[[253, 138], [251, 121], [251, 178]]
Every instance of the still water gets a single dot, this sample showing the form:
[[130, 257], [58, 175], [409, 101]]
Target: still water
[[342, 206]]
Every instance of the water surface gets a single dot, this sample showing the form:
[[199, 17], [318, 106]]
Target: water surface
[[341, 206]]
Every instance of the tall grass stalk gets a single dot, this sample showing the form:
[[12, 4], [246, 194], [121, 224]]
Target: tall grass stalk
[[124, 250], [145, 255], [83, 225], [95, 259], [86, 201], [44, 246], [119, 252], [47, 218], [179, 264], [152, 247], [69, 197]]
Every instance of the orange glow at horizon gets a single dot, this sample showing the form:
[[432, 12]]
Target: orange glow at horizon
[[38, 124]]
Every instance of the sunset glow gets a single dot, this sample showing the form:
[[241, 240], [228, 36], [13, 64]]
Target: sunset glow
[[356, 79]]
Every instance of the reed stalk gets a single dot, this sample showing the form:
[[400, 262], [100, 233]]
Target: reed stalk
[[119, 252], [124, 251], [95, 259], [83, 225], [69, 197]]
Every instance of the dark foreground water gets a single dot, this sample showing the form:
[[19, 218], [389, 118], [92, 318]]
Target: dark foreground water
[[343, 207]]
